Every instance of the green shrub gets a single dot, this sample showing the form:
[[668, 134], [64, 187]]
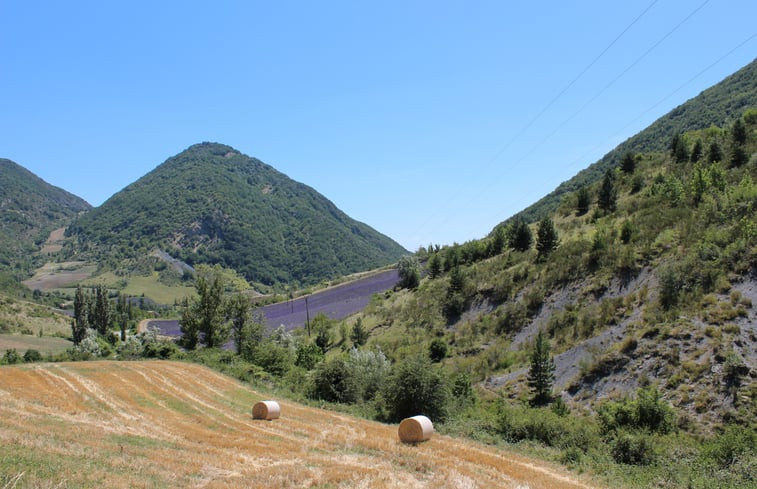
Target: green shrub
[[631, 449], [647, 412], [333, 382], [437, 350], [32, 355], [11, 357], [413, 387]]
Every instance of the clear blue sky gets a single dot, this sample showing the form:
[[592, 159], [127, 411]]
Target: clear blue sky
[[404, 114]]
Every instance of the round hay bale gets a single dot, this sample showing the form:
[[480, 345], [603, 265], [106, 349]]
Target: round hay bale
[[266, 410], [416, 429]]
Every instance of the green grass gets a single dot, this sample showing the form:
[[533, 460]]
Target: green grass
[[45, 345], [152, 289]]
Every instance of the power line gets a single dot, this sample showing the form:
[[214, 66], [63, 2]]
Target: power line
[[595, 97], [658, 103], [550, 103]]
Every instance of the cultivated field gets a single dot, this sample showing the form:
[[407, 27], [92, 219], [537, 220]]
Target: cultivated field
[[167, 424], [56, 275]]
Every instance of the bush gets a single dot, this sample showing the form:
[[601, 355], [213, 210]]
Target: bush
[[543, 425], [414, 387], [437, 350], [32, 356], [11, 357], [647, 412], [333, 382], [633, 449], [733, 444], [369, 369], [308, 355]]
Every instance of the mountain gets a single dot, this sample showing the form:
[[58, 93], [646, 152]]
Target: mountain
[[30, 209], [716, 106], [212, 204], [657, 289]]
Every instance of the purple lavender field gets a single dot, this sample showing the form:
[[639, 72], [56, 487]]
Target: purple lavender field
[[336, 303]]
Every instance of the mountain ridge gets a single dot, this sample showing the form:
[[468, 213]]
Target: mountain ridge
[[212, 204]]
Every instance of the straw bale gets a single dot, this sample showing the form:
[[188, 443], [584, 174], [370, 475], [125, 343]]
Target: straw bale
[[415, 429], [266, 410]]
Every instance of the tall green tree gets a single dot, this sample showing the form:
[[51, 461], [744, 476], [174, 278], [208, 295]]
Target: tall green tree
[[359, 335], [80, 324], [499, 240], [697, 151], [204, 318], [714, 153], [607, 200], [546, 237], [435, 265], [738, 133], [238, 310], [583, 201], [189, 323], [541, 373], [102, 317], [521, 237], [679, 148], [628, 162]]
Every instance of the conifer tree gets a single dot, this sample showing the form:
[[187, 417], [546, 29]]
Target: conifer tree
[[583, 201], [697, 151], [521, 237], [498, 241], [546, 238], [679, 149], [79, 324], [608, 194], [541, 373], [628, 163], [435, 265], [101, 311], [359, 335], [238, 310], [715, 153]]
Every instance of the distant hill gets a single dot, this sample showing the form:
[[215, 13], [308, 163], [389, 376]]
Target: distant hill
[[718, 105], [212, 204], [30, 209]]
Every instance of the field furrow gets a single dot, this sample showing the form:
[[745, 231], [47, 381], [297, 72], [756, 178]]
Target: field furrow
[[166, 424]]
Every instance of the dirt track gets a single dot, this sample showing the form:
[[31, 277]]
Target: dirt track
[[137, 424]]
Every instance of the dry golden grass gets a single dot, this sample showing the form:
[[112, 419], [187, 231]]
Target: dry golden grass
[[166, 424]]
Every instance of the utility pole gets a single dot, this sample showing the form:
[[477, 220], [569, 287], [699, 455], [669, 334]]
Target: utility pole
[[307, 312]]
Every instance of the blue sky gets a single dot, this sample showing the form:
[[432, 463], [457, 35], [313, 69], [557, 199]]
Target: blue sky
[[424, 119]]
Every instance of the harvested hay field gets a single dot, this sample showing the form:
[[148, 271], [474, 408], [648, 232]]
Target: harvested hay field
[[168, 424]]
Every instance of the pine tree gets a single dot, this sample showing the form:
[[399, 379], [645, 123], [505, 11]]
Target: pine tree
[[583, 201], [238, 310], [498, 241], [101, 311], [628, 163], [679, 149], [435, 265], [738, 133], [715, 153], [546, 238], [359, 335], [608, 194], [697, 151], [79, 324], [541, 373], [521, 237]]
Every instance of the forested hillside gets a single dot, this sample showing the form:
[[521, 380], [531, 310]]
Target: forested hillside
[[30, 209], [212, 204], [718, 106]]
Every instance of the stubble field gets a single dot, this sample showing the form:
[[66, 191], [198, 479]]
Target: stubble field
[[168, 424]]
